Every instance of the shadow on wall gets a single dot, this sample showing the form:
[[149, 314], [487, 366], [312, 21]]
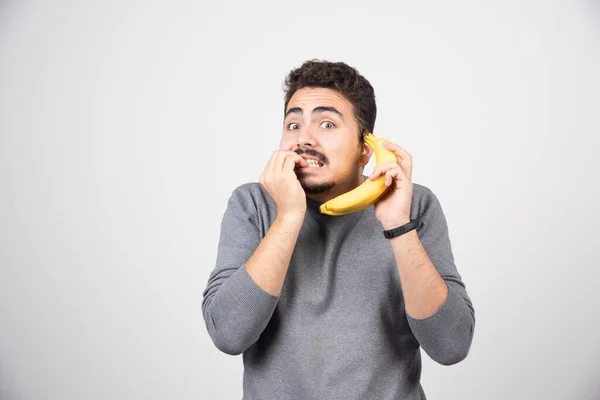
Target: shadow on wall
[[7, 389], [4, 392], [591, 388], [595, 10], [592, 393]]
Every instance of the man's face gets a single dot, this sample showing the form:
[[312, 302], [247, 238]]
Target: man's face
[[320, 125]]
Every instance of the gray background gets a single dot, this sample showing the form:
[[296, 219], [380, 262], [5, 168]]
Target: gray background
[[124, 127]]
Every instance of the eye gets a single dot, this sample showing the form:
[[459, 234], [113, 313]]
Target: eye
[[327, 124], [292, 126]]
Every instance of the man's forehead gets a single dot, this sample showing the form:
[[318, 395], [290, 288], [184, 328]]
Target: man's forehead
[[316, 110], [310, 98]]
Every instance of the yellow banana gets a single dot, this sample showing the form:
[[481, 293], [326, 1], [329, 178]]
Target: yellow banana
[[367, 193]]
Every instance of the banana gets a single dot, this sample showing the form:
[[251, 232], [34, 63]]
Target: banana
[[367, 193]]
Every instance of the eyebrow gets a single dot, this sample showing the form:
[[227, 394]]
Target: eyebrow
[[320, 109]]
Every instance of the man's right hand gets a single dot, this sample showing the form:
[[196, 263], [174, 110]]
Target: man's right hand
[[282, 184]]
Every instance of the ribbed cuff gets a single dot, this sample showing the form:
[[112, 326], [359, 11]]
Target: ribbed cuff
[[448, 331], [239, 312], [253, 301]]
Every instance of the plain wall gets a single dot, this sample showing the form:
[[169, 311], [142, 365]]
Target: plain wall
[[125, 126]]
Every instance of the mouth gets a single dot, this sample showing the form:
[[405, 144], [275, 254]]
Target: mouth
[[312, 163]]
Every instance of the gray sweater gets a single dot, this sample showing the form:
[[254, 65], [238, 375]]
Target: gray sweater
[[339, 329]]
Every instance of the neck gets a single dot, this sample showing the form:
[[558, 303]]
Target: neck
[[337, 190]]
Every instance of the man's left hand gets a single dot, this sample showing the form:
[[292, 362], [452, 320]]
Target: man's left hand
[[393, 209]]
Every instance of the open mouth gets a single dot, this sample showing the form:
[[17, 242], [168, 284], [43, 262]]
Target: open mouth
[[313, 163]]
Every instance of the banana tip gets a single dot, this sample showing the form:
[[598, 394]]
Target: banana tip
[[324, 210]]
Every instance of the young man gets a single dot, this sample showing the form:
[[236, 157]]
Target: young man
[[327, 307]]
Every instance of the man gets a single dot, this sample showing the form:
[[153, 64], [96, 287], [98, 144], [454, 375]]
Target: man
[[327, 307]]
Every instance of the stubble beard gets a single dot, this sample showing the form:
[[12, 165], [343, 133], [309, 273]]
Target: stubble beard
[[313, 187]]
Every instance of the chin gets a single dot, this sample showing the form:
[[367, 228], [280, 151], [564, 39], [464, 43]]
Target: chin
[[313, 186]]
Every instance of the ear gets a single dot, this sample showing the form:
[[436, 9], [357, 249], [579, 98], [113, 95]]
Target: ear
[[365, 154]]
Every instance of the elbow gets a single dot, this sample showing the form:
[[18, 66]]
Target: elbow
[[232, 344], [453, 354], [220, 333], [229, 345], [452, 357], [229, 348]]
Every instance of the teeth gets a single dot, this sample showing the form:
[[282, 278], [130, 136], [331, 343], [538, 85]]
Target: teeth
[[313, 163]]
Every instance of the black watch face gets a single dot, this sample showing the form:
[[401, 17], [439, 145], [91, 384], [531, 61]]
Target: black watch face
[[388, 234]]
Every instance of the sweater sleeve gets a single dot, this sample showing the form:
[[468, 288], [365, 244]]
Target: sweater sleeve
[[235, 309], [446, 335]]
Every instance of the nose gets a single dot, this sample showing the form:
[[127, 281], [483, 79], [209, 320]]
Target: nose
[[306, 137]]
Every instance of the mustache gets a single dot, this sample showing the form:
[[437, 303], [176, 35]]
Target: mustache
[[313, 153]]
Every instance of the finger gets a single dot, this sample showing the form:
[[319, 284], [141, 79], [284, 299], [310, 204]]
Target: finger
[[401, 154], [301, 162], [292, 160], [391, 175], [269, 168], [404, 157], [280, 158], [397, 149], [288, 164], [396, 174], [382, 169]]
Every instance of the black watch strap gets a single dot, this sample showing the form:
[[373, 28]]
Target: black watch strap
[[401, 229]]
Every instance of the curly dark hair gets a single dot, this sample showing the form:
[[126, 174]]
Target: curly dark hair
[[341, 77]]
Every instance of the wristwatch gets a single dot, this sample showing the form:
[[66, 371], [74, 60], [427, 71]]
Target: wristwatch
[[391, 233]]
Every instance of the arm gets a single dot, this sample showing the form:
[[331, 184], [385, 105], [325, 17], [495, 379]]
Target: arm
[[423, 288], [269, 264], [244, 288], [438, 307]]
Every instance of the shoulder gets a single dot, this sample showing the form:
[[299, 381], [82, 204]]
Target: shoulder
[[252, 196], [250, 190], [424, 200]]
